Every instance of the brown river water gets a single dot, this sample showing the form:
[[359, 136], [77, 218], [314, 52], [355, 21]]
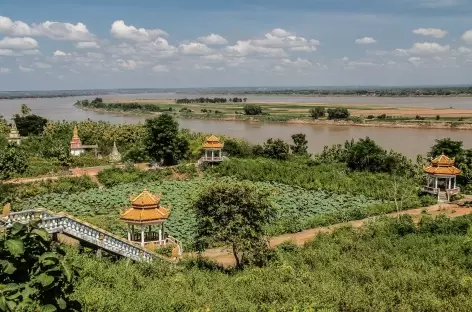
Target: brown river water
[[404, 140]]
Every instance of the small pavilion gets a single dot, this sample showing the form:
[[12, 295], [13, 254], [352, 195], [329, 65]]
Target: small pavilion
[[146, 213], [14, 135], [442, 176], [76, 146], [115, 156], [213, 150]]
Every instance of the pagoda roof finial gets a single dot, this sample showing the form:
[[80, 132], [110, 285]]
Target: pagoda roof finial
[[75, 134]]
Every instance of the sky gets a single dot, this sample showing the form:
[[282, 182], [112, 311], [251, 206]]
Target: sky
[[97, 44]]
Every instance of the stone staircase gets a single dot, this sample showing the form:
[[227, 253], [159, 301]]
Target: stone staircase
[[443, 198], [65, 224]]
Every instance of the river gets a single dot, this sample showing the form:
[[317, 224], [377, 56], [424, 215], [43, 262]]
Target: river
[[404, 140]]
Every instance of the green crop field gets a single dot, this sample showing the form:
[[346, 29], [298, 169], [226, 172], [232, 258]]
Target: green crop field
[[102, 206]]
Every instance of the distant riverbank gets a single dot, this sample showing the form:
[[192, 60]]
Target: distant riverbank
[[294, 113]]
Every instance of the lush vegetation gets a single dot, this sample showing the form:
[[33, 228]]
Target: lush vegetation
[[297, 209], [34, 274], [389, 266]]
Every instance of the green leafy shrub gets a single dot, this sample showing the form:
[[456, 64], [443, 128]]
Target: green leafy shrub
[[34, 274]]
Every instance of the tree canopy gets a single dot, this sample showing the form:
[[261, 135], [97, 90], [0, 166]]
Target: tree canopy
[[163, 141], [276, 149], [251, 109], [234, 214], [13, 160], [300, 144]]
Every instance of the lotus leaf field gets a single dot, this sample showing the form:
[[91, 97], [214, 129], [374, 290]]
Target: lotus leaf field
[[102, 206]]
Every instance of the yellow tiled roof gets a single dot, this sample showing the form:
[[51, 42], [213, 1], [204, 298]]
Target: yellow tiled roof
[[442, 165], [213, 142]]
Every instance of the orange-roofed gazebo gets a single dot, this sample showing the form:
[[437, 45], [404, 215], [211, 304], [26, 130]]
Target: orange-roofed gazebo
[[213, 150], [442, 176], [146, 212]]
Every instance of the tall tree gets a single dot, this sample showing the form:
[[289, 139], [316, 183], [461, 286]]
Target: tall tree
[[447, 146], [12, 160], [30, 124], [300, 146], [235, 214], [163, 141]]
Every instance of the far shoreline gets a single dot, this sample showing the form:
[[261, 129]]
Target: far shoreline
[[345, 123]]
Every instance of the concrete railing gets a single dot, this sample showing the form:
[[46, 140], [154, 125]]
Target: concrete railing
[[62, 223]]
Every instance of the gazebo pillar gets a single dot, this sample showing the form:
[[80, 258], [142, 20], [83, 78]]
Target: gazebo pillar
[[455, 185], [142, 235], [129, 232], [436, 182]]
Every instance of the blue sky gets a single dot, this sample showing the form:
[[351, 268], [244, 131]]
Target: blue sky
[[72, 44]]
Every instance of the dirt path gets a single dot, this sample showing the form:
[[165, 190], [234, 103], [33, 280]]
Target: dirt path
[[224, 256]]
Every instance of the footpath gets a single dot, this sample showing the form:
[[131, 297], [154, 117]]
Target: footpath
[[224, 256]]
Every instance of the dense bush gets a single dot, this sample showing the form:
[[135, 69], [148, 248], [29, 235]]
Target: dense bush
[[252, 109], [338, 113], [276, 149], [30, 124], [317, 112]]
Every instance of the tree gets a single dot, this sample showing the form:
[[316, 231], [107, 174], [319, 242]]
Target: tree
[[12, 161], [251, 109], [237, 148], [163, 142], [25, 110], [300, 146], [235, 214], [447, 147], [34, 274], [276, 149], [338, 113], [317, 112], [366, 155], [30, 124]]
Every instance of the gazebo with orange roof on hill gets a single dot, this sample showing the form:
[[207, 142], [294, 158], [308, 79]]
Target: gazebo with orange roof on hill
[[213, 150], [442, 176], [146, 212]]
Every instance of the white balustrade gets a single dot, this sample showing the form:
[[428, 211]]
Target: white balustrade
[[57, 223]]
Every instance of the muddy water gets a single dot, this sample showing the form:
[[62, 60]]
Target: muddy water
[[407, 141]]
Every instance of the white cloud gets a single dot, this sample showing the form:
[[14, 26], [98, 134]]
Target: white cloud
[[60, 77], [61, 53], [4, 70], [345, 59], [213, 39], [415, 60], [366, 40], [122, 31], [280, 38], [244, 48], [297, 63], [467, 37], [7, 52], [160, 69], [31, 52], [363, 64], [428, 48], [87, 45], [464, 50], [433, 32], [195, 48], [281, 33], [25, 43], [126, 64], [202, 67], [278, 69], [213, 57], [53, 30], [63, 31], [304, 49], [42, 65], [25, 69]]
